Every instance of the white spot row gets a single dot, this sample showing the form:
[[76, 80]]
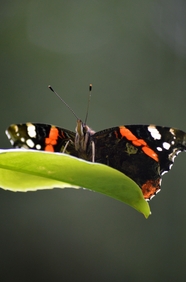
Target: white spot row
[[31, 144], [166, 146]]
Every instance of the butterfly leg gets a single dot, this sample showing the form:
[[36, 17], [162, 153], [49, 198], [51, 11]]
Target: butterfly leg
[[93, 151], [66, 145]]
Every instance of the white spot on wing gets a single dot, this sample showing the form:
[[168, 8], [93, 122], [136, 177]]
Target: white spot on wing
[[16, 128], [165, 171], [22, 139], [166, 145], [159, 149], [8, 135], [30, 143], [154, 132], [31, 129], [172, 131], [11, 142], [38, 147]]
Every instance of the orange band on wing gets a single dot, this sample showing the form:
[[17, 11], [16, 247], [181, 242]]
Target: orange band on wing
[[53, 133], [51, 140], [125, 132], [49, 148], [150, 153]]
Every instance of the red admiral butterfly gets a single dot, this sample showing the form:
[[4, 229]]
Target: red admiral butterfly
[[142, 152]]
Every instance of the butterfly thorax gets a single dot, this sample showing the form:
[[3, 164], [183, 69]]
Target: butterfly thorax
[[82, 139]]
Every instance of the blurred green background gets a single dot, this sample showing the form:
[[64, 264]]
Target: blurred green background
[[134, 54]]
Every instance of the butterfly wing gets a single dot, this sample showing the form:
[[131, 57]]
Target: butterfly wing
[[142, 152], [43, 137]]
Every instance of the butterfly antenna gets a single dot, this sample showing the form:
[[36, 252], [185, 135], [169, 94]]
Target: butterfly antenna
[[88, 104], [50, 87]]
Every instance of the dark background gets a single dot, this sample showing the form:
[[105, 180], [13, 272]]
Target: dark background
[[134, 53]]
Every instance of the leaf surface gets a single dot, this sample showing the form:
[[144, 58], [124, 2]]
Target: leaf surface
[[29, 170]]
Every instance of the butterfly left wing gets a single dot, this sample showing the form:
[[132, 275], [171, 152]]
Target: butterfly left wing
[[42, 137]]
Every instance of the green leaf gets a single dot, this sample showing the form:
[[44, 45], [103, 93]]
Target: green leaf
[[29, 170]]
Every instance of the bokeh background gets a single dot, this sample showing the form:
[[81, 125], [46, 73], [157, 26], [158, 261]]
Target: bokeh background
[[134, 54]]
